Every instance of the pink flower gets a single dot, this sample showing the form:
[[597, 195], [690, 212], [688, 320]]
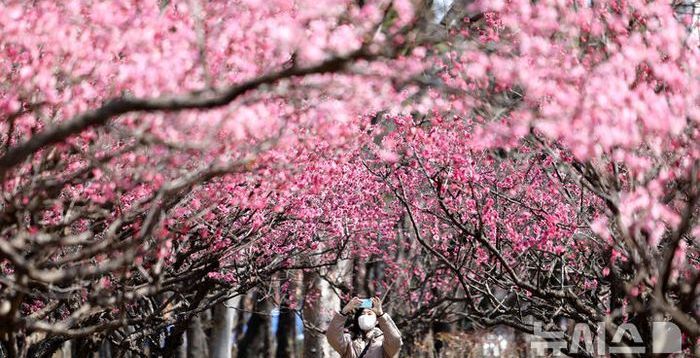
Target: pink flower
[[388, 156]]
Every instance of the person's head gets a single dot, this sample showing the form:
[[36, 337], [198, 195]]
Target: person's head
[[364, 320]]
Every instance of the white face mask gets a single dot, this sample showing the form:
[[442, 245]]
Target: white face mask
[[367, 321]]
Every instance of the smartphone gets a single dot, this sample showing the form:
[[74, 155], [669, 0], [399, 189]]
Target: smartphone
[[366, 303]]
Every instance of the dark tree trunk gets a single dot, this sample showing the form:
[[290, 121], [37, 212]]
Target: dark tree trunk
[[256, 339], [106, 349], [181, 351], [286, 333], [239, 323], [286, 327], [84, 347], [313, 341], [359, 278]]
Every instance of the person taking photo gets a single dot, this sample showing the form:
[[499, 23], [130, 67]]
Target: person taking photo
[[371, 332]]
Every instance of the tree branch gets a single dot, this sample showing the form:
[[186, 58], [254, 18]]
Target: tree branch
[[195, 100]]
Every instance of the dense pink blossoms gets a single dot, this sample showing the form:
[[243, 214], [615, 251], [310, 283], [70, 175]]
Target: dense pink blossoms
[[471, 163]]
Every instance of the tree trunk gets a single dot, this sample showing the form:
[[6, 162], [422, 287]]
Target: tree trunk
[[66, 349], [319, 305], [84, 347], [286, 324], [286, 333], [313, 341], [181, 351], [196, 339], [106, 349], [360, 285], [239, 323], [256, 341], [222, 328]]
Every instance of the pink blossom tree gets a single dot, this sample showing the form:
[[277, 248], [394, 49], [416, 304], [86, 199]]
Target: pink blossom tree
[[524, 160], [150, 149], [558, 180]]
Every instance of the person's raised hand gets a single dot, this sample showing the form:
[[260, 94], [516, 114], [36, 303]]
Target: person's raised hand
[[351, 306], [377, 306]]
